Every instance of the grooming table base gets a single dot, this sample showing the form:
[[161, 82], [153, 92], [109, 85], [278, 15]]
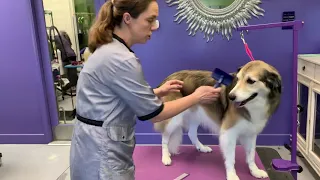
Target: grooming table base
[[204, 166]]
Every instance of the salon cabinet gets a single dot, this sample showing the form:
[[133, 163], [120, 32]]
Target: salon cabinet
[[308, 98]]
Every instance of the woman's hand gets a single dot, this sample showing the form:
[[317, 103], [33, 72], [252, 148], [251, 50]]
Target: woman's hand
[[207, 94], [167, 87]]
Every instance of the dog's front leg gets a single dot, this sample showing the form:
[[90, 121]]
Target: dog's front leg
[[249, 145], [166, 160], [193, 135], [228, 140]]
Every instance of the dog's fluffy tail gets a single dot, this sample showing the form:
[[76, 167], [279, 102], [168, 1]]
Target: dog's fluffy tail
[[175, 140]]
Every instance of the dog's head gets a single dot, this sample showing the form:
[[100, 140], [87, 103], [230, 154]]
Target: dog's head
[[256, 81]]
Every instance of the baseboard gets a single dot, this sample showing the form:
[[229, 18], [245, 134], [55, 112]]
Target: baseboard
[[23, 139], [209, 139]]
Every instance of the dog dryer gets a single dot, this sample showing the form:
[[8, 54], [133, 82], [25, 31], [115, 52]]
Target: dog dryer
[[221, 77]]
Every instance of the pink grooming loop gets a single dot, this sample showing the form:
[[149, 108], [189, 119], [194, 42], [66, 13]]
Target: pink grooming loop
[[248, 51]]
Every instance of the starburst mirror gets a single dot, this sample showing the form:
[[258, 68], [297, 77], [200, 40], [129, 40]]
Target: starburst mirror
[[215, 16]]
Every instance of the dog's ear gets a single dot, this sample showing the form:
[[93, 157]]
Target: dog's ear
[[272, 81], [235, 73]]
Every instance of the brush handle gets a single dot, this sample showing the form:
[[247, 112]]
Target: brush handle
[[216, 85]]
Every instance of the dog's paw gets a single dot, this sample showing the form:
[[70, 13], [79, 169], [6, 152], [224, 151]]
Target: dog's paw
[[204, 149], [232, 176], [258, 173], [166, 160]]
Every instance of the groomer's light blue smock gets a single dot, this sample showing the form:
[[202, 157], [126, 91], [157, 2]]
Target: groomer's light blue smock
[[111, 94]]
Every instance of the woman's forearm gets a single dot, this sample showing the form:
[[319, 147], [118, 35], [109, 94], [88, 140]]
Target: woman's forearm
[[175, 107]]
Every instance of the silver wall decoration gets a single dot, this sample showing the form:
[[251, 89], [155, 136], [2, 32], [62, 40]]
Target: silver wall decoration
[[212, 18]]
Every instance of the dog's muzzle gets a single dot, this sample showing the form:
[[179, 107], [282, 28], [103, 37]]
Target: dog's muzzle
[[242, 103]]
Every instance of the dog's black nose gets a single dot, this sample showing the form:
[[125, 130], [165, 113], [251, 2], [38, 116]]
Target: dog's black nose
[[232, 97]]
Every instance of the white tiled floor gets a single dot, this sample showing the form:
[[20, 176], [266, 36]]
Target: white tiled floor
[[33, 162], [45, 162]]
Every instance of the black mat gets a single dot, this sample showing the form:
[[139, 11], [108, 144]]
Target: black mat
[[266, 155]]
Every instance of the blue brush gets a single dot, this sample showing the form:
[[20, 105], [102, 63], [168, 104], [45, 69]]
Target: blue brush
[[221, 77]]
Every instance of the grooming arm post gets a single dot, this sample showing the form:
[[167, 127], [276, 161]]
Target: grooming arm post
[[281, 164], [295, 24]]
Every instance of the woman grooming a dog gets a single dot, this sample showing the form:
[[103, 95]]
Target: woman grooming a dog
[[112, 92]]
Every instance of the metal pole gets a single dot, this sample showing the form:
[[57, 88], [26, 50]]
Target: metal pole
[[294, 98], [281, 164]]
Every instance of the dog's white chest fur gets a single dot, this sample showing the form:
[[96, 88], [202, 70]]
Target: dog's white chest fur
[[197, 116]]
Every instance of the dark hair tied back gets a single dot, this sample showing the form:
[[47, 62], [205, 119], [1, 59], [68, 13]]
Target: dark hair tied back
[[109, 16]]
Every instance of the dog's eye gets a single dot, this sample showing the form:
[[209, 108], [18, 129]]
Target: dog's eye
[[250, 81]]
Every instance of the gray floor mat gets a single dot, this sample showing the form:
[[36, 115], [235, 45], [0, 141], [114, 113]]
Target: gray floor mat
[[266, 155]]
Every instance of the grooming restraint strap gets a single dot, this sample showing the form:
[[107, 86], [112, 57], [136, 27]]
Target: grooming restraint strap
[[248, 51]]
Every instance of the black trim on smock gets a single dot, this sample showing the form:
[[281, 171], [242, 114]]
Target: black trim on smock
[[153, 114], [122, 41], [89, 121]]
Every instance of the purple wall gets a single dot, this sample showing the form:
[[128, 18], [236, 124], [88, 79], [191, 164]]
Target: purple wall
[[28, 107], [24, 116], [174, 50]]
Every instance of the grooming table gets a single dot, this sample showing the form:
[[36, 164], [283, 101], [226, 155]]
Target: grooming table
[[204, 166]]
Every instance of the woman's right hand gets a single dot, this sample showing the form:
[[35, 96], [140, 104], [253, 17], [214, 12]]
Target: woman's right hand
[[207, 94], [203, 95]]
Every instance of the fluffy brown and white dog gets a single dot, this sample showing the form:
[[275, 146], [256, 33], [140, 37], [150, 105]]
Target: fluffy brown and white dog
[[241, 113]]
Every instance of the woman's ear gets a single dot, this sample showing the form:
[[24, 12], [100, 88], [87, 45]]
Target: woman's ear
[[126, 18]]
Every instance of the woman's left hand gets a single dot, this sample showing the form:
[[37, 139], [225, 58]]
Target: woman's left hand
[[169, 86]]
